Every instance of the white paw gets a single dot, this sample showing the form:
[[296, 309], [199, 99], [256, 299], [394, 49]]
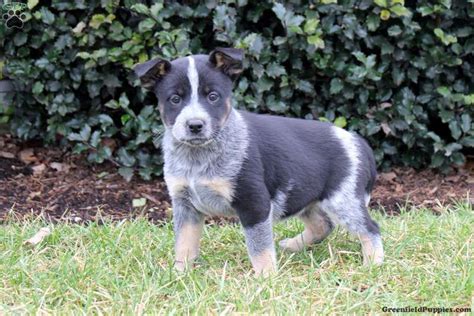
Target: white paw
[[265, 273], [181, 266], [291, 245], [373, 260]]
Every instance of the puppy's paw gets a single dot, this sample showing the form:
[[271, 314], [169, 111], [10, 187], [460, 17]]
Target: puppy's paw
[[266, 272], [291, 244], [182, 266], [375, 260]]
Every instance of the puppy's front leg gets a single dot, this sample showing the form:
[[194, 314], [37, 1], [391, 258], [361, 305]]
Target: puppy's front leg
[[260, 246], [188, 224]]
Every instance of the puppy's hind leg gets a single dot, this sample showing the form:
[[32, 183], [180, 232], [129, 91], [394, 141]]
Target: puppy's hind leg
[[356, 219], [317, 226], [370, 239]]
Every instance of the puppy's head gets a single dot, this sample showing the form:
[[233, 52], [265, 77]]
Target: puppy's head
[[193, 92]]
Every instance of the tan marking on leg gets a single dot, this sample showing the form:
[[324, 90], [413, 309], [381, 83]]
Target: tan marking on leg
[[372, 250], [264, 263], [176, 185], [221, 186], [187, 245], [316, 229]]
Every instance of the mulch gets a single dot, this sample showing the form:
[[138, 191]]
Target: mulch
[[53, 183]]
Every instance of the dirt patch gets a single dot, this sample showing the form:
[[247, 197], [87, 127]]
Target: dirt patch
[[405, 187], [59, 186]]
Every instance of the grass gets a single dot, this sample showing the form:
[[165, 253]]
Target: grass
[[125, 268]]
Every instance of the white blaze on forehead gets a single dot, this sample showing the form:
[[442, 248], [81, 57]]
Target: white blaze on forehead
[[193, 80], [193, 110]]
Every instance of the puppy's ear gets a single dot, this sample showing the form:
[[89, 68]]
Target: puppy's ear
[[152, 71], [228, 60]]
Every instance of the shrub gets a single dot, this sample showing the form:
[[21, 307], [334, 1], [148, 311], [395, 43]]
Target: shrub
[[401, 75]]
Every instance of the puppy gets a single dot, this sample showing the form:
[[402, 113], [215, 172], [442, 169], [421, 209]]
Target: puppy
[[261, 168]]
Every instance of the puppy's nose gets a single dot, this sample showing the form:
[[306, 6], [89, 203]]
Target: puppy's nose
[[195, 126]]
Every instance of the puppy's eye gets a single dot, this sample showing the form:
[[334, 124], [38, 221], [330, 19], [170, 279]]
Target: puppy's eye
[[175, 99], [213, 97]]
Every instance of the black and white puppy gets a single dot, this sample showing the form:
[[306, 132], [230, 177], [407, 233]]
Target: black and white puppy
[[220, 161]]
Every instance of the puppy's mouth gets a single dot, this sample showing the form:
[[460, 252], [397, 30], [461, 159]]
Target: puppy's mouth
[[197, 142]]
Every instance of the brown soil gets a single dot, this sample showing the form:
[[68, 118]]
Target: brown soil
[[59, 186]]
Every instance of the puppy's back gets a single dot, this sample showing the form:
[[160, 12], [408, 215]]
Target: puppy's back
[[305, 155]]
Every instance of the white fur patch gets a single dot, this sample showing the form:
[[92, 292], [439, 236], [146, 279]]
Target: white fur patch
[[278, 205], [367, 200], [279, 201], [193, 78], [343, 206], [193, 110]]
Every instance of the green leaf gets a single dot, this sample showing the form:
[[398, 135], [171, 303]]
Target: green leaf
[[373, 128], [37, 88], [125, 157], [316, 40], [155, 10], [373, 22], [140, 8], [394, 30], [455, 129], [95, 139], [279, 10], [32, 4], [85, 133], [340, 122], [126, 173], [274, 70], [20, 38], [446, 39], [46, 16], [439, 33], [112, 104], [97, 20], [400, 10], [425, 10], [444, 91], [254, 44], [336, 86], [437, 160], [450, 148], [466, 122], [381, 3], [125, 118], [123, 101], [458, 158], [146, 25], [105, 119], [311, 25]]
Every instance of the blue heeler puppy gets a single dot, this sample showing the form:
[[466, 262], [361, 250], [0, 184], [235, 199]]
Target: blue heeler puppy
[[261, 168]]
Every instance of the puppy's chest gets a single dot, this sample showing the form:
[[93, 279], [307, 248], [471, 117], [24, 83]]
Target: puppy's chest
[[210, 196]]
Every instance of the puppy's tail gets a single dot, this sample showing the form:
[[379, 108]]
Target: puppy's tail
[[373, 173], [371, 165]]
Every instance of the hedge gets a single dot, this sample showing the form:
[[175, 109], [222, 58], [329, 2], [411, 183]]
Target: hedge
[[400, 74]]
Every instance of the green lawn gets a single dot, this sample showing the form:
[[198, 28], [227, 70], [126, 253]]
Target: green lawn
[[125, 268]]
